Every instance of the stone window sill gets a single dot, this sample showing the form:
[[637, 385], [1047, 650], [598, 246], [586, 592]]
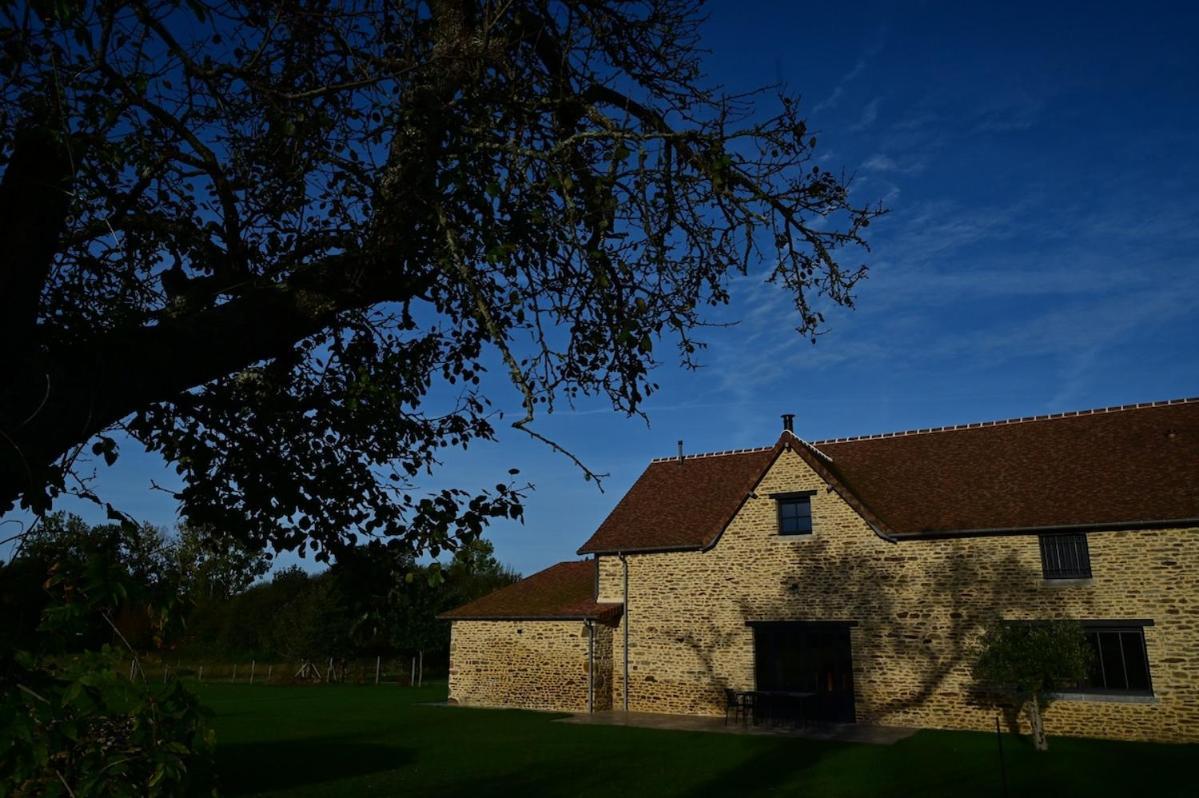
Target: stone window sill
[[1067, 582], [1110, 698]]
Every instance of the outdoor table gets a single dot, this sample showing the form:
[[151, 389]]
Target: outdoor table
[[774, 706]]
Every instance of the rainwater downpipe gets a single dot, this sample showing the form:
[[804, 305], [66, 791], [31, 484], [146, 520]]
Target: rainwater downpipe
[[624, 561], [590, 664]]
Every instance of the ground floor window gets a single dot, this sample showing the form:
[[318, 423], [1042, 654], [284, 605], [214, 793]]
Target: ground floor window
[[1120, 663]]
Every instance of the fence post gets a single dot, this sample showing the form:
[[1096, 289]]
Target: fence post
[[412, 673], [200, 678], [233, 678], [252, 671], [420, 679], [269, 668], [378, 659], [1002, 764], [329, 673]]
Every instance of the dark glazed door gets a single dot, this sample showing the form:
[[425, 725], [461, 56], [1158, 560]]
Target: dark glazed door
[[808, 658]]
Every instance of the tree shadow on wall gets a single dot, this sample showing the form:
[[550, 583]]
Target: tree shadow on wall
[[706, 643], [919, 608]]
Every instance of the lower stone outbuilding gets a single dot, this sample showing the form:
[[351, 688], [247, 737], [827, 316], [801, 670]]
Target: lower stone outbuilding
[[542, 643]]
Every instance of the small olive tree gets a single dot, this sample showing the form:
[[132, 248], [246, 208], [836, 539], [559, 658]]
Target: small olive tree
[[1029, 663]]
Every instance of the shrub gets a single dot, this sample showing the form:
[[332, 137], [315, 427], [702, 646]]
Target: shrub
[[1029, 662]]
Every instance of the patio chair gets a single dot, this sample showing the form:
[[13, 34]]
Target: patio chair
[[733, 703]]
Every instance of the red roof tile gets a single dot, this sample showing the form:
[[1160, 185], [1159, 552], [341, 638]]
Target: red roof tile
[[681, 504], [1130, 465], [562, 591], [1133, 465]]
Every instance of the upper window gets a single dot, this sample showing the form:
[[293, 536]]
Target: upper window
[[1119, 664], [1065, 556], [795, 515]]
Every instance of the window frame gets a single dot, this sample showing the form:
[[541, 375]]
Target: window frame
[[1081, 547], [1120, 628], [782, 499]]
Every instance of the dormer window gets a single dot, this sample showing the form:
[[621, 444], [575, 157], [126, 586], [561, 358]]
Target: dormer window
[[795, 513]]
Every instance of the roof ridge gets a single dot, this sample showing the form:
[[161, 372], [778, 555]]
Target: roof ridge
[[699, 455], [810, 446], [1006, 421]]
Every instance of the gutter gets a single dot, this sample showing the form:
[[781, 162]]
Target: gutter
[[881, 534], [647, 550], [518, 617], [1111, 526]]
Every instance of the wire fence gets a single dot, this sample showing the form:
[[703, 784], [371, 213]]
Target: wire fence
[[395, 671]]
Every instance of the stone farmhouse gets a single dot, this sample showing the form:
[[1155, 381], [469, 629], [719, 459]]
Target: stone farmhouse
[[863, 569]]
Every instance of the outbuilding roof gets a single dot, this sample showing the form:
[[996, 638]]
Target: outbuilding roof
[[1127, 466], [565, 591]]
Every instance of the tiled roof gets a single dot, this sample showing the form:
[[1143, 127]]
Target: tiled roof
[[681, 503], [1134, 465], [562, 591]]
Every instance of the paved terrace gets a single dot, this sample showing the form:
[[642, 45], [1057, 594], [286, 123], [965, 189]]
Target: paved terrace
[[838, 732]]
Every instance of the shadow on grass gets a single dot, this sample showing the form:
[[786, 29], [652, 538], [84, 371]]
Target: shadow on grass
[[249, 768], [765, 771]]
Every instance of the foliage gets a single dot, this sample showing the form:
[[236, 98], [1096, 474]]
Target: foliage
[[154, 580], [283, 247], [313, 625], [124, 570], [1030, 661], [74, 727], [69, 724], [213, 566], [366, 604]]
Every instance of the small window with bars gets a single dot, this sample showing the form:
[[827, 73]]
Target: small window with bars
[[1120, 663], [1065, 556], [795, 514]]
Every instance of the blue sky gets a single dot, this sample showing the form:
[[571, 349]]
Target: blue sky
[[1041, 254]]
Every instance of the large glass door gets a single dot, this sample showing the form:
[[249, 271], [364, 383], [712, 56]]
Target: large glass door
[[807, 658]]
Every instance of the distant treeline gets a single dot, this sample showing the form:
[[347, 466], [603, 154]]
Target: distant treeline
[[184, 594]]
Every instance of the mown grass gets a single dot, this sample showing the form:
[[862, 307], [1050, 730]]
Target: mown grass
[[335, 741]]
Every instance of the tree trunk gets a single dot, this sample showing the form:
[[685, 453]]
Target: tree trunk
[[1039, 741]]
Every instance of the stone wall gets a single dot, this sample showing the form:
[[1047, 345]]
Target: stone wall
[[528, 664], [918, 608], [603, 667]]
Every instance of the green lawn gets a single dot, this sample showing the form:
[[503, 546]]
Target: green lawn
[[381, 741]]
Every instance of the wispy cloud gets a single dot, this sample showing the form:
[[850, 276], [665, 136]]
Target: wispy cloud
[[880, 162], [859, 66], [838, 92], [1009, 114], [869, 116], [977, 288]]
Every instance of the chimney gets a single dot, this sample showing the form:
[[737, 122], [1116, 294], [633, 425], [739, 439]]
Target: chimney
[[680, 451], [788, 422]]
